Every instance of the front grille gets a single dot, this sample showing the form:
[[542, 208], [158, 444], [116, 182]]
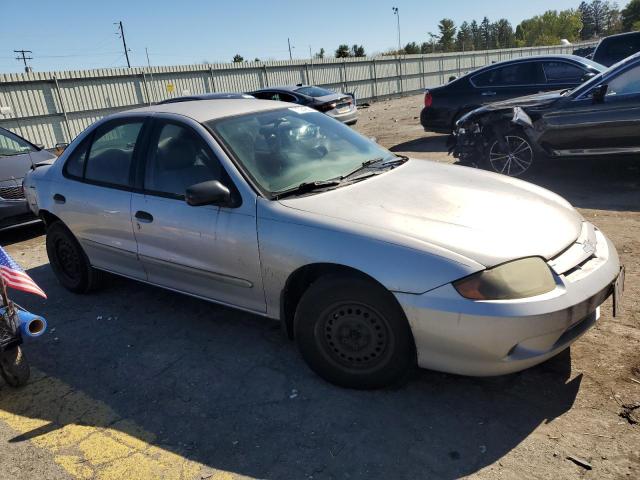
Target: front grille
[[12, 193]]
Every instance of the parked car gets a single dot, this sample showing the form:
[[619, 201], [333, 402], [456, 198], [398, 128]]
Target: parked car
[[337, 105], [17, 155], [444, 105], [371, 261], [601, 117], [614, 48], [208, 96]]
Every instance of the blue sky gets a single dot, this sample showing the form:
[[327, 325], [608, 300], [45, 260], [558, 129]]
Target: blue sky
[[78, 34]]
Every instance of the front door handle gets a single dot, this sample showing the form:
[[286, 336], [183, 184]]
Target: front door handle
[[144, 217], [488, 94], [59, 198]]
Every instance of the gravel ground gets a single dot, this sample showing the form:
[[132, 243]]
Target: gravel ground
[[222, 394]]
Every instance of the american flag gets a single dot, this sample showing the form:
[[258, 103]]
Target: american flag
[[16, 277]]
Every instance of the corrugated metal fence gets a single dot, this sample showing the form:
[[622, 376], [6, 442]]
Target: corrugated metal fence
[[53, 107]]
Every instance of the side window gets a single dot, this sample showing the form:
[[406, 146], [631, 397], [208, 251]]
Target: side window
[[286, 97], [109, 159], [178, 158], [626, 83], [263, 95], [562, 72], [525, 73]]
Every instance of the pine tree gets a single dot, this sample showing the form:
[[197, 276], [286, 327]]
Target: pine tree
[[447, 34], [464, 40], [485, 34]]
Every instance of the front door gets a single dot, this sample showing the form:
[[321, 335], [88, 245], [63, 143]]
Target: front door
[[208, 251], [583, 126]]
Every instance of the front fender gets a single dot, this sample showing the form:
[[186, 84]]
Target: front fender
[[289, 240]]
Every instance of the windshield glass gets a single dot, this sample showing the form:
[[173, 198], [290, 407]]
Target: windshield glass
[[314, 91], [580, 89], [283, 148], [11, 144]]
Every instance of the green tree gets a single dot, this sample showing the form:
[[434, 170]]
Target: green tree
[[464, 40], [631, 16], [447, 34], [237, 58], [549, 28], [588, 22], [425, 47], [343, 51], [320, 54], [412, 48], [357, 51], [503, 34], [486, 38], [475, 35]]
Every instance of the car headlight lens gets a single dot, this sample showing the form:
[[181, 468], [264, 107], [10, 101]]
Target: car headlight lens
[[523, 278]]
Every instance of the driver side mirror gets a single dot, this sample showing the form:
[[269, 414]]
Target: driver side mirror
[[208, 193], [599, 93], [587, 76]]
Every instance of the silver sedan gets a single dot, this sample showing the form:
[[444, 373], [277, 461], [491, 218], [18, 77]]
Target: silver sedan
[[372, 262]]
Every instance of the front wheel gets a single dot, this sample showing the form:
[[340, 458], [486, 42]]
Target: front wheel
[[14, 367], [515, 157], [353, 333]]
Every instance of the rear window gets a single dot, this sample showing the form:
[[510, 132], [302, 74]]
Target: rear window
[[314, 91]]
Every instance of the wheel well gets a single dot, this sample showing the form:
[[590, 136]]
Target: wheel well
[[47, 217], [301, 279]]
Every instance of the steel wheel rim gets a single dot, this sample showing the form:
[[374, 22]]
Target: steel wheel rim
[[516, 161], [355, 336], [67, 259]]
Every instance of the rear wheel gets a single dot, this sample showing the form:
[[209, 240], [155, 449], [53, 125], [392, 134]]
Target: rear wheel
[[14, 368], [69, 262], [515, 158], [352, 333]]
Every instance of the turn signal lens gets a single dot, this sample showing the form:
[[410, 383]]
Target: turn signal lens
[[523, 278]]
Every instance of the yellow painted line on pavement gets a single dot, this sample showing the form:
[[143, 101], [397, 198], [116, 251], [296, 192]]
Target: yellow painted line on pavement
[[88, 439]]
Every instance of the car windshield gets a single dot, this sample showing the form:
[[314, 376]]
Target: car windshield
[[580, 89], [314, 91], [11, 144], [281, 149]]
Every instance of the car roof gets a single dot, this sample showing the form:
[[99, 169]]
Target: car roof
[[286, 88], [575, 58], [205, 110], [208, 96], [618, 35]]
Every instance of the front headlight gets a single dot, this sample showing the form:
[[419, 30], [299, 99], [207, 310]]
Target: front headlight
[[523, 278]]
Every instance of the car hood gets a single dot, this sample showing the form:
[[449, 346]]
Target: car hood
[[16, 166], [536, 100], [486, 217]]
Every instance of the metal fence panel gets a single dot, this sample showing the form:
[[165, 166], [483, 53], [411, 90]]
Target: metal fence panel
[[53, 107]]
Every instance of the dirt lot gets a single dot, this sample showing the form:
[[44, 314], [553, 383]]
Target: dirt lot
[[135, 382]]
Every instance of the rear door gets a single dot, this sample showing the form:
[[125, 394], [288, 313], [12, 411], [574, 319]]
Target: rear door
[[584, 127], [94, 200], [208, 251]]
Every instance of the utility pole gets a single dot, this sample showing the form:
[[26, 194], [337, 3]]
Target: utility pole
[[289, 43], [22, 56], [396, 12], [124, 42]]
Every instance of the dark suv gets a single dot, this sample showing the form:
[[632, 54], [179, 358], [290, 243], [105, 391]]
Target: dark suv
[[612, 49]]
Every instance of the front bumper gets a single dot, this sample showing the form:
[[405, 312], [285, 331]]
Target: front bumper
[[484, 338]]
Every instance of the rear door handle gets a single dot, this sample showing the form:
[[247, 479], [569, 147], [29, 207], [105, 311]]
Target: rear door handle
[[144, 217], [488, 94], [59, 198]]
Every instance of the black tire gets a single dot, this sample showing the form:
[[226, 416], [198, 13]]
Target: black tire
[[352, 333], [14, 367], [520, 160], [69, 262]]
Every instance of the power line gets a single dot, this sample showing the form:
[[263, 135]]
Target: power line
[[22, 56]]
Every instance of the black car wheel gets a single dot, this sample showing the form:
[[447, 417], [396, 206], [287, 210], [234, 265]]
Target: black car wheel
[[516, 160], [352, 333], [68, 260]]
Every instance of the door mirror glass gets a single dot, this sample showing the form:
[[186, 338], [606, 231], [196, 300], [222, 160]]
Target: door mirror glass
[[208, 193], [599, 93], [587, 76]]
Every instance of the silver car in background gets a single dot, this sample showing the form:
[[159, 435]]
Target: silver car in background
[[373, 262]]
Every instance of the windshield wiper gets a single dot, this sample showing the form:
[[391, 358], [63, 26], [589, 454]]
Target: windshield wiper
[[306, 187]]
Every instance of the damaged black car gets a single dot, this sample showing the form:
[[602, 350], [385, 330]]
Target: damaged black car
[[600, 117]]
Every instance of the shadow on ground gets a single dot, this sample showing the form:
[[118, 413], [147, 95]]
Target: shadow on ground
[[226, 389], [21, 234], [608, 183], [434, 143]]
